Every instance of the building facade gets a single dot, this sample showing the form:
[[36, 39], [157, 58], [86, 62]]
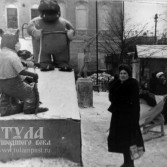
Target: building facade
[[15, 14]]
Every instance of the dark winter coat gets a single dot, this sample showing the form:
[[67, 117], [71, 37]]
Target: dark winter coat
[[125, 108], [161, 89]]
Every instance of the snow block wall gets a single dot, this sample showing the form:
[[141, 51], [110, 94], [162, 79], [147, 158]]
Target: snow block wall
[[53, 134]]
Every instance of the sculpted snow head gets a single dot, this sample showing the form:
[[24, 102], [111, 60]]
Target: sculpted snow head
[[49, 10]]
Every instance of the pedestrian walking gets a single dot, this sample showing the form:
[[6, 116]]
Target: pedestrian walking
[[125, 135]]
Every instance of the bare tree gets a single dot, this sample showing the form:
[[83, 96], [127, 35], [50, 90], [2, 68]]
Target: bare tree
[[120, 36]]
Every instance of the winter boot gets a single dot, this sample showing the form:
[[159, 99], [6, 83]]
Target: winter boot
[[128, 162], [65, 67], [46, 67], [35, 111]]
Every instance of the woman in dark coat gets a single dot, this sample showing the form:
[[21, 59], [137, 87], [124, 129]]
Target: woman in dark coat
[[125, 108]]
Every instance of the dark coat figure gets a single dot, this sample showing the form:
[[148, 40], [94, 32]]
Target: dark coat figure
[[153, 83], [147, 95], [125, 108], [161, 88]]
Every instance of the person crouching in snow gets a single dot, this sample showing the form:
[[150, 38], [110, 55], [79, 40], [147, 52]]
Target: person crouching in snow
[[57, 47], [11, 70]]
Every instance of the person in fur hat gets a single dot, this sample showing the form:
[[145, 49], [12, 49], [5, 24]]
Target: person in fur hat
[[11, 70], [161, 88], [57, 47], [124, 133]]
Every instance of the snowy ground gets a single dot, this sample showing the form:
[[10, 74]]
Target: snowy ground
[[94, 126]]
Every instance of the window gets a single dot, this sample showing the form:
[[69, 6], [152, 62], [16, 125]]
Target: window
[[34, 11], [103, 15], [81, 17], [62, 9], [12, 20]]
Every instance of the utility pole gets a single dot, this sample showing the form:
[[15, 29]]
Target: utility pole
[[97, 63], [156, 20], [123, 29]]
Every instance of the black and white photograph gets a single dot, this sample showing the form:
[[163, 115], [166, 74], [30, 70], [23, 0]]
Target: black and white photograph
[[83, 83]]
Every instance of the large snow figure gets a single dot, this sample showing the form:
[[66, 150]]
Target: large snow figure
[[55, 45]]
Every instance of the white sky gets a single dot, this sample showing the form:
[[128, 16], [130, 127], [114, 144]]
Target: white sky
[[144, 12]]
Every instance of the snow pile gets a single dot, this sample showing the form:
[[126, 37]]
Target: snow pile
[[103, 80]]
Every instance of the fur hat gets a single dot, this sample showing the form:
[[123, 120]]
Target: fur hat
[[126, 68], [159, 74], [9, 40]]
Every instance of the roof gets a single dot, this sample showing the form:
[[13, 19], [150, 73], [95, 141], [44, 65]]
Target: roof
[[152, 51]]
